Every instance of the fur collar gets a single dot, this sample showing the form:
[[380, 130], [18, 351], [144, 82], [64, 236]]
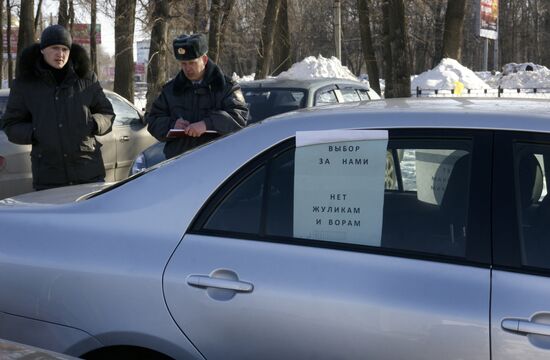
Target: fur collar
[[213, 77], [30, 57]]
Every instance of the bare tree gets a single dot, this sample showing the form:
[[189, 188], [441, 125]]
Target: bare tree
[[71, 15], [63, 15], [26, 28], [397, 46], [156, 76], [38, 16], [366, 42], [265, 53], [219, 19], [452, 36], [199, 15], [1, 47], [9, 6], [93, 45], [124, 48], [281, 43]]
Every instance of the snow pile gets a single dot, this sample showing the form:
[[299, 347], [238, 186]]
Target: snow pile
[[445, 75], [317, 67], [244, 78], [538, 78], [514, 68]]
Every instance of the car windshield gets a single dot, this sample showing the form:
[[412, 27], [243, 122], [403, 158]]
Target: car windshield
[[265, 102]]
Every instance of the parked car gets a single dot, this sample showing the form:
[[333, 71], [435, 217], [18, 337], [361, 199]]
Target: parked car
[[285, 241], [271, 97], [120, 147]]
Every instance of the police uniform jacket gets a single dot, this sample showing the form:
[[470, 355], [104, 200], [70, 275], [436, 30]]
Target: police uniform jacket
[[216, 100]]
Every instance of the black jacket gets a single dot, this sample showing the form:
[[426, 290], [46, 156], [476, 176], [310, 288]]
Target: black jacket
[[60, 121], [217, 101]]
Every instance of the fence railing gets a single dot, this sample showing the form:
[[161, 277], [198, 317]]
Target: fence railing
[[492, 92]]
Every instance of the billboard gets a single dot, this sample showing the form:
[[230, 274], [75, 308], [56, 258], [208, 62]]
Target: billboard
[[488, 19], [81, 34]]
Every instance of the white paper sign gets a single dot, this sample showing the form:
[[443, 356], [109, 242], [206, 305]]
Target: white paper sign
[[433, 168], [339, 185]]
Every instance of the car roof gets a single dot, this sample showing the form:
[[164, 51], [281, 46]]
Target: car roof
[[468, 113], [313, 83]]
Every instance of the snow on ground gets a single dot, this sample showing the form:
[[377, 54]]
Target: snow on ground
[[521, 76]]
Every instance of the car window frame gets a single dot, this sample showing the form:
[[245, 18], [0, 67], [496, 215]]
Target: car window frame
[[478, 249], [506, 237], [132, 122], [324, 89]]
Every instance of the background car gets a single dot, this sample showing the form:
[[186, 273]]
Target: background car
[[271, 97], [274, 96], [120, 147], [284, 241]]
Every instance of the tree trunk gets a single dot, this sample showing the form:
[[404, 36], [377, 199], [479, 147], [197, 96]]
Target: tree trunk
[[438, 30], [71, 15], [388, 63], [38, 16], [125, 12], [281, 43], [219, 15], [265, 55], [397, 43], [93, 45], [156, 76], [63, 16], [452, 35], [225, 16], [366, 44], [214, 31], [199, 15], [26, 28], [2, 47], [8, 37], [400, 50]]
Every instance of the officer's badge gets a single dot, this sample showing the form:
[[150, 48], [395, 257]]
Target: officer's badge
[[181, 51]]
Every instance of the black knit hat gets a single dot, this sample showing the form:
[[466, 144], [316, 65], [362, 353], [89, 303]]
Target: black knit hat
[[189, 47], [55, 35]]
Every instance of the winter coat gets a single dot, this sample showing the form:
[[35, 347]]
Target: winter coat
[[60, 121], [217, 100]]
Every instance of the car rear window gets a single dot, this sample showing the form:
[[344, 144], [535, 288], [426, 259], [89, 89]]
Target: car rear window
[[263, 103]]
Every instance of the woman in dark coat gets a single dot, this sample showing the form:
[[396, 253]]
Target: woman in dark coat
[[57, 104]]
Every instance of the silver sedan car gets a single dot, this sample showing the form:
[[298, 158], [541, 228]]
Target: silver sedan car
[[400, 229]]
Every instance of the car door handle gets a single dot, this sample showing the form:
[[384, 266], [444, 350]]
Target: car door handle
[[206, 281], [124, 138], [525, 327]]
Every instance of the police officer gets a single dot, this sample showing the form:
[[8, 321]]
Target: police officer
[[201, 102]]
